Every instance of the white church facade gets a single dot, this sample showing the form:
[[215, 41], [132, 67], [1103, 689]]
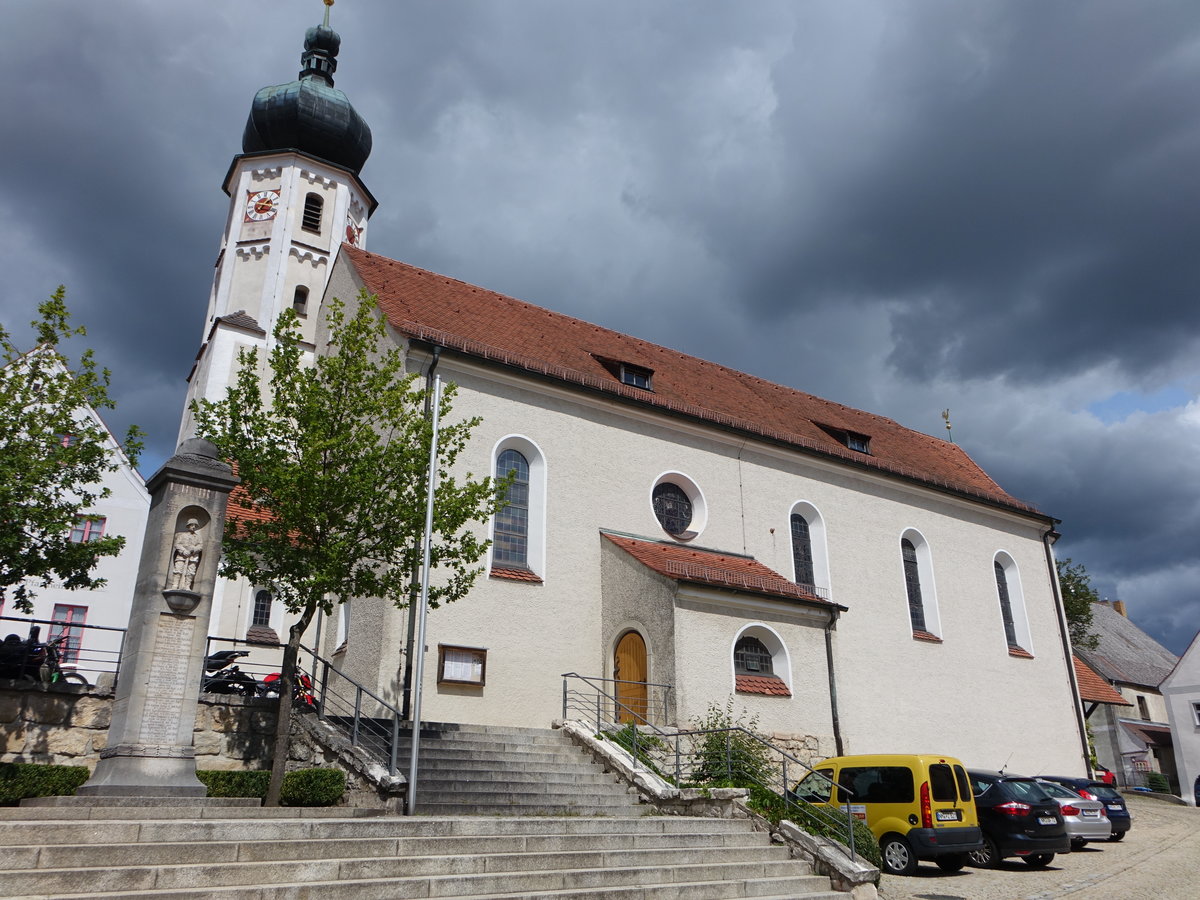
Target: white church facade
[[674, 523]]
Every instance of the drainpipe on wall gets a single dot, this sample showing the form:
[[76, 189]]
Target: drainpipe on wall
[[1048, 540], [406, 690], [833, 704]]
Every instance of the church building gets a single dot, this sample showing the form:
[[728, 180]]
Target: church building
[[690, 532]]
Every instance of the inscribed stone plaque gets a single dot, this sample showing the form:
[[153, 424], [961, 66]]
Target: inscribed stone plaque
[[168, 680]]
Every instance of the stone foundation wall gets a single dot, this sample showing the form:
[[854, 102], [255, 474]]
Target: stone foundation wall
[[68, 724]]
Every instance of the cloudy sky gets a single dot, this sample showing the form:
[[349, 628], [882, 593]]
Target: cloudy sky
[[902, 205]]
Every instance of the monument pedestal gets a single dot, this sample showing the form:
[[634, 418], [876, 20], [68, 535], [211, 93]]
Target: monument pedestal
[[150, 751]]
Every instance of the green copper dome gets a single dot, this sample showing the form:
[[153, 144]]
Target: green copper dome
[[310, 115]]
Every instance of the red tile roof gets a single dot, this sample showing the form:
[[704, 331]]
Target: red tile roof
[[761, 684], [926, 636], [698, 566], [508, 332], [514, 574], [1093, 688]]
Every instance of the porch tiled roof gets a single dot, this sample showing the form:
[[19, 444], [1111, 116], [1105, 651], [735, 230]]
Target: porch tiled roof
[[508, 332], [724, 570], [1093, 688], [760, 684]]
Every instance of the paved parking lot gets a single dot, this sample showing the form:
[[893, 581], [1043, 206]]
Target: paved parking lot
[[1158, 860]]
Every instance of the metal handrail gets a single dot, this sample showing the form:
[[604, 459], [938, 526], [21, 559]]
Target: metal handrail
[[85, 659], [674, 757], [663, 709]]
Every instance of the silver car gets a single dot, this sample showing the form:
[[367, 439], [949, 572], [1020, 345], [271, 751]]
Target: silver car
[[1086, 820]]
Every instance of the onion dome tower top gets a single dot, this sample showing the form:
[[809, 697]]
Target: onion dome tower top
[[309, 115]]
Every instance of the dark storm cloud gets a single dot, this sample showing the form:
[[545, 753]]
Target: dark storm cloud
[[903, 206]]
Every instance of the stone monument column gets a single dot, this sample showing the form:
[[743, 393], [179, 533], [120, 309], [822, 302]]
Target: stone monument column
[[150, 751]]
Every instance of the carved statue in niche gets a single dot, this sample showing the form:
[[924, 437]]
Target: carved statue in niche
[[185, 558]]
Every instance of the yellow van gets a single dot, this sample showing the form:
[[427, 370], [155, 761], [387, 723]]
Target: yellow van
[[918, 807]]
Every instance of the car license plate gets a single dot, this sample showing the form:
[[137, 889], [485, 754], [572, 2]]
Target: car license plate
[[1091, 813], [1047, 820], [1114, 806], [949, 815]]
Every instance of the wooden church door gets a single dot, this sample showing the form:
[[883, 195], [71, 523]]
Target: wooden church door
[[629, 670]]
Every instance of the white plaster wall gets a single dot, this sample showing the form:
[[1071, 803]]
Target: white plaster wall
[[1181, 689]]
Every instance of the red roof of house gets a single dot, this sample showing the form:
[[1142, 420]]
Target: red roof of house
[[724, 570], [761, 684], [1093, 688], [490, 326]]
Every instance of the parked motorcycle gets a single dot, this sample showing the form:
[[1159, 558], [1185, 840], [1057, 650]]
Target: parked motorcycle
[[31, 660], [302, 688], [226, 678]]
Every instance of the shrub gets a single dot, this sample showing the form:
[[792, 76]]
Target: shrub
[[312, 787], [234, 784], [21, 780], [732, 754], [1158, 783]]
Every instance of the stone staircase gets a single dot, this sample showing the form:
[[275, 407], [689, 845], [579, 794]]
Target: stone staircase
[[256, 854], [494, 770]]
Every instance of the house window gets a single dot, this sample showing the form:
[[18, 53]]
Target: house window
[[68, 621], [311, 220], [462, 665], [635, 376], [751, 657], [912, 583], [1143, 708], [1196, 712], [672, 508], [858, 442], [88, 528], [300, 301], [802, 551], [262, 609], [67, 439], [512, 523]]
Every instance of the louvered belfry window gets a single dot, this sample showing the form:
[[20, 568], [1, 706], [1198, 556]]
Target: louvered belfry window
[[912, 581], [311, 220]]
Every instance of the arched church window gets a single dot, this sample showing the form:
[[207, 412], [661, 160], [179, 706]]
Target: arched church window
[[511, 546], [912, 581], [751, 657], [311, 220], [802, 551], [262, 609], [300, 301]]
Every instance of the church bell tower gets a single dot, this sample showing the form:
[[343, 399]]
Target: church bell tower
[[295, 197]]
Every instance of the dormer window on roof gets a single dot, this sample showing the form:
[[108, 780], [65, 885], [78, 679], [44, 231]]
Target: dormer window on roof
[[636, 376], [859, 443]]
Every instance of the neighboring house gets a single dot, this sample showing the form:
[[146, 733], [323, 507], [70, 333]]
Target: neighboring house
[[1181, 692], [123, 512], [682, 528], [1134, 664]]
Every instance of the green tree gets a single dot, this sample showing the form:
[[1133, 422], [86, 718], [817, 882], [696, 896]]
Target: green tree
[[335, 454], [54, 452], [1078, 596]]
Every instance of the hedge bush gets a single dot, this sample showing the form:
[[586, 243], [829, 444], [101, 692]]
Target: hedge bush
[[234, 784], [21, 780], [313, 787]]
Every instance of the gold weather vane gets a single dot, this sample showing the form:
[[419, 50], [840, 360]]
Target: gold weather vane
[[946, 419]]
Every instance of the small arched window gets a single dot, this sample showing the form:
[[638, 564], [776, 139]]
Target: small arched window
[[262, 609], [311, 220], [511, 548], [912, 582], [300, 301], [1012, 605], [751, 657], [802, 551]]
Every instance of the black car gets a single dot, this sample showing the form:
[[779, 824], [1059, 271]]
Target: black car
[[1114, 803], [1018, 819]]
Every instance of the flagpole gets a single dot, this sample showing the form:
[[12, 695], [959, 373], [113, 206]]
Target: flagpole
[[419, 648]]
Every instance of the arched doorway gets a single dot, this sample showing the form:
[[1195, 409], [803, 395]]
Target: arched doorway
[[629, 671]]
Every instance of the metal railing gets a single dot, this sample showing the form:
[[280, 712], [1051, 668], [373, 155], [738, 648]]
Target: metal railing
[[368, 721], [713, 757], [96, 651], [588, 698]]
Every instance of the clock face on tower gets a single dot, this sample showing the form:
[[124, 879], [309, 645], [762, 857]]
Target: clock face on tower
[[261, 205]]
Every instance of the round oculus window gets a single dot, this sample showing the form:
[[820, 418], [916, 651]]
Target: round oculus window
[[672, 507]]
